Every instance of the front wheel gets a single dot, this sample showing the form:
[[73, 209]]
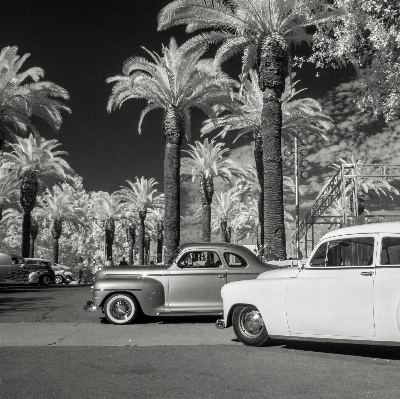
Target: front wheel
[[58, 279], [45, 280], [248, 326], [121, 309]]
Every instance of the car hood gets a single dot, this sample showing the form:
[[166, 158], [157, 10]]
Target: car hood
[[288, 272]]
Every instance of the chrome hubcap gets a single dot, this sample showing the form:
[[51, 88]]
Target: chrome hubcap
[[251, 323], [120, 309]]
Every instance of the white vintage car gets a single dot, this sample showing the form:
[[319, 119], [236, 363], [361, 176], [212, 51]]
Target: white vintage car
[[348, 290]]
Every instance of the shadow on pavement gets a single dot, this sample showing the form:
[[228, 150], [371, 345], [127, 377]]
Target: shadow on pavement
[[359, 350], [142, 319]]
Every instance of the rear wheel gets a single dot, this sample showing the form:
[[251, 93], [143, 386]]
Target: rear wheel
[[58, 279], [248, 325], [121, 309], [45, 280]]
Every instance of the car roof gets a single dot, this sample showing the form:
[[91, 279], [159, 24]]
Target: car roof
[[40, 259], [212, 245], [387, 227]]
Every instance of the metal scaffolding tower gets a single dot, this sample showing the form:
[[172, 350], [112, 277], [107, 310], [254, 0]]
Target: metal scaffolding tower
[[342, 188]]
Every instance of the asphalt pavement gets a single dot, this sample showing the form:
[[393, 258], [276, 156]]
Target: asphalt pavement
[[50, 348]]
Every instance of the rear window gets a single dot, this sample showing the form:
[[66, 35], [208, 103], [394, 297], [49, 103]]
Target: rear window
[[390, 252], [234, 260]]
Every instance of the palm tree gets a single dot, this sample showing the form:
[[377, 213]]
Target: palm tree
[[263, 31], [34, 235], [21, 99], [59, 207], [157, 215], [130, 222], [107, 209], [175, 82], [8, 190], [223, 212], [206, 162], [34, 159], [142, 196], [250, 187], [300, 117]]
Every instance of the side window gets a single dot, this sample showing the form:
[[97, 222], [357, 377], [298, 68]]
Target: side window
[[357, 251], [199, 259], [390, 253], [319, 258], [234, 260], [16, 260]]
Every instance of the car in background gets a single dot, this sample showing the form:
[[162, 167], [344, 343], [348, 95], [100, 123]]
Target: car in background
[[189, 284], [63, 274], [348, 290], [15, 269]]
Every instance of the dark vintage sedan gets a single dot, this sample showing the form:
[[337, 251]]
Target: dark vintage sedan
[[189, 284], [16, 269]]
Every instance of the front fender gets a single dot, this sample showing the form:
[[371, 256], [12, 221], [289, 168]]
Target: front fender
[[267, 295], [148, 291]]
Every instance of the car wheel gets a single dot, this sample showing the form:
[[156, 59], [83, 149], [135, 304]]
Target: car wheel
[[68, 279], [45, 280], [58, 279], [121, 309], [248, 326]]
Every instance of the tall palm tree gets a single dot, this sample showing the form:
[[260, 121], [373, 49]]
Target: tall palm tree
[[59, 207], [176, 81], [263, 31], [208, 160], [21, 99], [130, 221], [34, 159], [223, 212], [300, 117], [107, 209], [143, 196], [34, 235]]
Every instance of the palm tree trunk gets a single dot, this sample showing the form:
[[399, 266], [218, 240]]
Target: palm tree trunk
[[29, 189], [273, 69], [142, 217], [56, 231], [258, 157], [26, 234], [147, 248], [206, 192], [34, 234], [131, 236], [109, 231], [223, 230], [173, 129], [160, 241]]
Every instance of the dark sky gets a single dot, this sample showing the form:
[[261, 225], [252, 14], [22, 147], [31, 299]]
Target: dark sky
[[81, 43]]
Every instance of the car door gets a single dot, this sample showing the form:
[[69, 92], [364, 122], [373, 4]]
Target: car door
[[195, 283], [334, 294]]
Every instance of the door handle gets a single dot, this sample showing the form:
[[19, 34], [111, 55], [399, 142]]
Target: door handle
[[221, 275], [367, 273]]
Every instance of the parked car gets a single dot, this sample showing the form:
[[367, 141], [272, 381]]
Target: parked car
[[189, 284], [16, 269], [348, 290], [63, 274]]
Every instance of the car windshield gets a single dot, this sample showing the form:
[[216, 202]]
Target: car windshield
[[171, 260]]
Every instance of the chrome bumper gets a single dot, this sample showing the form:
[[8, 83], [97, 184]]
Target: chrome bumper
[[220, 323], [89, 307]]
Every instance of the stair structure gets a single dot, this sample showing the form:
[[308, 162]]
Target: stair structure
[[343, 188]]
